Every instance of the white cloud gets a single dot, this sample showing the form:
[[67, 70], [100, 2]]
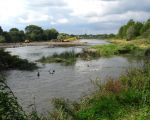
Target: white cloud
[[63, 21], [10, 9], [63, 13], [84, 7], [32, 17]]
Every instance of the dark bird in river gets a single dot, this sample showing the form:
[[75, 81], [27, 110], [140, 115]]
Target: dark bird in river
[[38, 74]]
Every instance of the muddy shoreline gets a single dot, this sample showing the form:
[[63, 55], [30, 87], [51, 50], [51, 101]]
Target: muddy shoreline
[[50, 44]]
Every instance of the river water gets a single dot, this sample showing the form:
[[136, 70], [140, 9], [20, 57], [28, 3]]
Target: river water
[[70, 82]]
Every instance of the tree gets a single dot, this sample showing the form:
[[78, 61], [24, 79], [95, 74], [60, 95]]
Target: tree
[[51, 34], [16, 35], [146, 26], [7, 37], [146, 34], [121, 33], [130, 23], [34, 32], [1, 30], [131, 32], [138, 26], [2, 39], [123, 30]]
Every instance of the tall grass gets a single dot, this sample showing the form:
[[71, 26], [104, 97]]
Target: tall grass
[[67, 58]]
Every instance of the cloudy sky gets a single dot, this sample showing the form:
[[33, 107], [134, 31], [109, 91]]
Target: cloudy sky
[[73, 16]]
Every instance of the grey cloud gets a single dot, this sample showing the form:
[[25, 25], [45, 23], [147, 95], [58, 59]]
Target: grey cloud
[[131, 5], [109, 21], [47, 3]]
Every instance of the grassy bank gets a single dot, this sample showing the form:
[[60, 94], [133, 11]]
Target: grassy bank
[[94, 52], [136, 47], [142, 43], [115, 49], [127, 98], [8, 61]]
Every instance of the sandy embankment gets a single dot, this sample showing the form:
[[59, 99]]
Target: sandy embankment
[[51, 44]]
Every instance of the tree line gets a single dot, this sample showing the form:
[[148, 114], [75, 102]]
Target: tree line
[[97, 36], [134, 29], [31, 32]]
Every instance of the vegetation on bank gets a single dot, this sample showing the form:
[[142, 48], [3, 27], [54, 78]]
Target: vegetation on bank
[[68, 58], [114, 49], [133, 30], [133, 37], [9, 107], [142, 43], [8, 61], [94, 52], [124, 99], [98, 36]]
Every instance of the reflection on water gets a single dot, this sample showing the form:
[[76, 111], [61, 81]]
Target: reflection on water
[[33, 53], [68, 81], [94, 41]]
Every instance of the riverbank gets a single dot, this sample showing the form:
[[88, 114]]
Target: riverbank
[[50, 44], [141, 43], [8, 62], [137, 47]]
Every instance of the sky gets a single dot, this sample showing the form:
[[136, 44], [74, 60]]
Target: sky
[[73, 16]]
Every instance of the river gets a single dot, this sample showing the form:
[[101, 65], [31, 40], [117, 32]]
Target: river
[[70, 82]]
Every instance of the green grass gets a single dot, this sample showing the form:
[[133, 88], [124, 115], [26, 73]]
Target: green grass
[[67, 58], [114, 49], [142, 43]]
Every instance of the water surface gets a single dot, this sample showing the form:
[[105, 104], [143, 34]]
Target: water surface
[[68, 81]]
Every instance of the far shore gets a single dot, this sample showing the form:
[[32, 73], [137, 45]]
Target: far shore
[[50, 44]]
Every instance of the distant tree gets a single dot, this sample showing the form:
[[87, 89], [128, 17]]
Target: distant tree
[[130, 33], [2, 39], [16, 35], [51, 34], [7, 37], [1, 30], [61, 37], [34, 33]]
